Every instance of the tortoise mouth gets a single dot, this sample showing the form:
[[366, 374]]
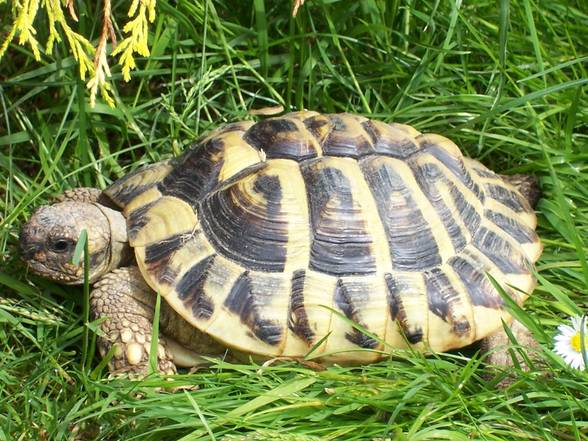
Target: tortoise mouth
[[69, 275]]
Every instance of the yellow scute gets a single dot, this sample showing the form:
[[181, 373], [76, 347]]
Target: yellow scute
[[167, 217], [143, 199], [238, 155]]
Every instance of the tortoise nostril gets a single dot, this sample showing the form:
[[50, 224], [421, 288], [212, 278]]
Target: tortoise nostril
[[28, 251], [27, 247]]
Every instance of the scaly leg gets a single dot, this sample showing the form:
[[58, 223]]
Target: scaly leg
[[127, 303]]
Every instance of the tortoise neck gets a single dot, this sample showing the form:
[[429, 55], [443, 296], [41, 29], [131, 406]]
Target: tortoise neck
[[120, 250]]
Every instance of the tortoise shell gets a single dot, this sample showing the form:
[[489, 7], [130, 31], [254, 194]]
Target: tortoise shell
[[334, 233]]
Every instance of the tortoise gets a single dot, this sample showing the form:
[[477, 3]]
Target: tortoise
[[326, 233]]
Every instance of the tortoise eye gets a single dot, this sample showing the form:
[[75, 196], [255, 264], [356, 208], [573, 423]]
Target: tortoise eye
[[60, 245]]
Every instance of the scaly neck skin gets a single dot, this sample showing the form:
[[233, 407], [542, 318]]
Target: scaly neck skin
[[120, 251]]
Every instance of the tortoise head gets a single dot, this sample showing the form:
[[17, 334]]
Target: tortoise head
[[49, 238]]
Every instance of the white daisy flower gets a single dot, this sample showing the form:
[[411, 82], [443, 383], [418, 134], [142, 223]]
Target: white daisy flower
[[568, 343]]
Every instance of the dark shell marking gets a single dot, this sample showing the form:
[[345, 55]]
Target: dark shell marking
[[445, 301], [335, 250], [502, 253], [138, 219], [518, 231], [130, 186], [409, 235], [428, 177], [298, 318], [353, 142], [247, 299], [386, 140], [397, 289], [350, 298], [158, 257], [505, 196], [190, 288], [478, 286], [195, 173], [245, 230], [455, 165], [281, 138]]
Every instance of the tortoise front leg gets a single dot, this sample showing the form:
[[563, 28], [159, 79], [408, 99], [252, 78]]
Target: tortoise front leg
[[127, 303]]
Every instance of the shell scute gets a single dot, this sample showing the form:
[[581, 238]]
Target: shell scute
[[347, 137], [341, 241], [409, 233], [391, 140], [283, 138], [209, 164], [248, 298], [298, 322], [190, 289], [353, 301], [246, 222], [448, 303]]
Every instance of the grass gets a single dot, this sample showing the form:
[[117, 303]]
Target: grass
[[505, 80]]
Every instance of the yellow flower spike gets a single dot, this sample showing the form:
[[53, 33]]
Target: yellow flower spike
[[92, 62], [53, 11], [6, 42], [23, 26], [151, 6], [136, 41], [133, 8]]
